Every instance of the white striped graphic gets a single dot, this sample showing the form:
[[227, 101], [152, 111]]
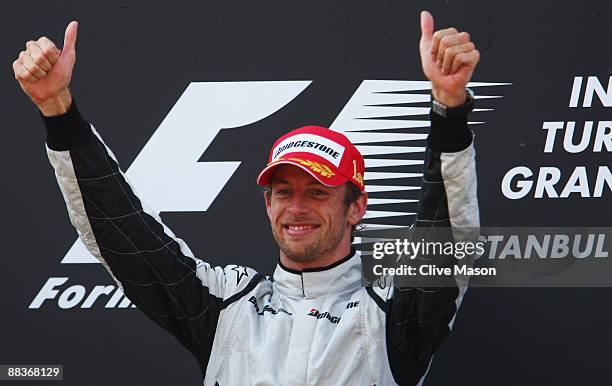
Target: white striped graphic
[[375, 119]]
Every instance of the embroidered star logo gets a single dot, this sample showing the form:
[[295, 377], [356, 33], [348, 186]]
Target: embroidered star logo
[[240, 272]]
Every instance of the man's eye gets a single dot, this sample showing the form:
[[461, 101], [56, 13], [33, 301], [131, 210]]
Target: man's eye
[[282, 192], [319, 193]]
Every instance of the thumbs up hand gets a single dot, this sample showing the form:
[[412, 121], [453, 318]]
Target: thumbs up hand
[[44, 72], [448, 58]]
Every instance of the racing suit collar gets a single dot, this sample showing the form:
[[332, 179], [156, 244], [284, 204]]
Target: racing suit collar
[[343, 275]]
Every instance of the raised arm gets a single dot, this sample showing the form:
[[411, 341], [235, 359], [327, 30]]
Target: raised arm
[[156, 270], [420, 318]]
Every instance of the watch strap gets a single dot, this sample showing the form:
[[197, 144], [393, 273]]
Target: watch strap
[[454, 112]]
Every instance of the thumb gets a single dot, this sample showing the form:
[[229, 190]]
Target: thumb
[[70, 37], [427, 27]]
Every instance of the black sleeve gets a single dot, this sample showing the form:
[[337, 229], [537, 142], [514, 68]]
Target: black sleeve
[[156, 270], [419, 318]]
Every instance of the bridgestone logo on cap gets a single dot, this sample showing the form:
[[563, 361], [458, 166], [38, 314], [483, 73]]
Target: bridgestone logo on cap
[[310, 143]]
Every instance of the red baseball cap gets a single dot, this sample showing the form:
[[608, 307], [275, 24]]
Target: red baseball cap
[[325, 154]]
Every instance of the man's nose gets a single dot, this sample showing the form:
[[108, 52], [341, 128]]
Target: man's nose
[[297, 207]]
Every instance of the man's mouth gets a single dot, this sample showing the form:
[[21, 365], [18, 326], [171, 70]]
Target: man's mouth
[[299, 230]]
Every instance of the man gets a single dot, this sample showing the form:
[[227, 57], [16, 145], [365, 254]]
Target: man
[[312, 322]]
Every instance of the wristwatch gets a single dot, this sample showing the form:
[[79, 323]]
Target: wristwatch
[[454, 112]]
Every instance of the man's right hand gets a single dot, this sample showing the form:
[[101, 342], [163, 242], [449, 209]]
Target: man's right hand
[[44, 72]]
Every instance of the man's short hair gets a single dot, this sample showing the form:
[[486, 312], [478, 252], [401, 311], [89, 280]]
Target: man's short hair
[[352, 194]]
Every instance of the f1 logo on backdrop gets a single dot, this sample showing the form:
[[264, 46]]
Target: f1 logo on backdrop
[[167, 176], [166, 173]]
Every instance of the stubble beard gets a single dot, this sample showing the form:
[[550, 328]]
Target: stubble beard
[[312, 251]]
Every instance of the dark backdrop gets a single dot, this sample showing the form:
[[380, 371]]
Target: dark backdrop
[[135, 58]]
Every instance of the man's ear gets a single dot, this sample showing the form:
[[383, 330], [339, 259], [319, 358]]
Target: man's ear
[[357, 209], [267, 199]]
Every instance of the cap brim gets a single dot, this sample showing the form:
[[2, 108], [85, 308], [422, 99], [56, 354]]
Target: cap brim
[[266, 174]]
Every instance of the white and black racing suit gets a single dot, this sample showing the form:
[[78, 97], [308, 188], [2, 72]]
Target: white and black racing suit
[[315, 327]]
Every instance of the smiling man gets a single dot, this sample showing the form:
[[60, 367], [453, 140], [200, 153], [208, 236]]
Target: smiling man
[[314, 195], [313, 322]]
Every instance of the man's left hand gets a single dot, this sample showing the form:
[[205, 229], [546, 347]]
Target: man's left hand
[[448, 58]]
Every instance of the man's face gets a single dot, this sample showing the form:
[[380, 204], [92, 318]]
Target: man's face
[[310, 221]]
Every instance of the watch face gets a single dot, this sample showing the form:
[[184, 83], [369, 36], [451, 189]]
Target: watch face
[[438, 108]]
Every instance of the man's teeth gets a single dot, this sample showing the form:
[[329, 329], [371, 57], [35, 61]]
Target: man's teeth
[[300, 227]]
